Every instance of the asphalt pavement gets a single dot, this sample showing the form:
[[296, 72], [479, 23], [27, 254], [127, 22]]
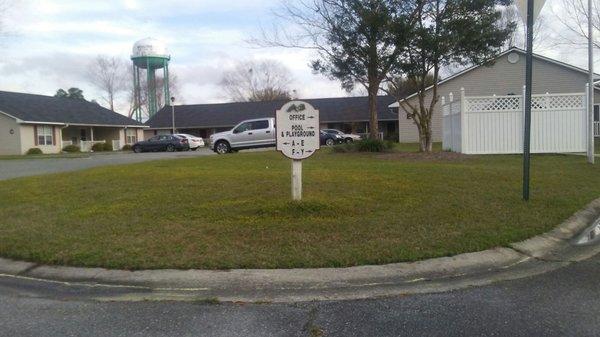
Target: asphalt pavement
[[564, 302], [14, 168]]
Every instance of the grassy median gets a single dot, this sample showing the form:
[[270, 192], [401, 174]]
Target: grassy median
[[234, 211]]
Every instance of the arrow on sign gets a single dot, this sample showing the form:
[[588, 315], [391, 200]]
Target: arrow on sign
[[311, 127], [311, 117]]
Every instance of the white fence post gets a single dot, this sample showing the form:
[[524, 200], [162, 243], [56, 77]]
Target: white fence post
[[464, 148], [590, 124], [523, 94]]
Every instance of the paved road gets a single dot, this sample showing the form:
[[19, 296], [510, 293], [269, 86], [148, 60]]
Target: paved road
[[14, 168], [561, 303]]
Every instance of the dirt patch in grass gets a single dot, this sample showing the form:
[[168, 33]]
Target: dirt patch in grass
[[419, 156]]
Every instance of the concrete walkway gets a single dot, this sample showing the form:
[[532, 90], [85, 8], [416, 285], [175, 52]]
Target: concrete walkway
[[14, 168], [535, 256]]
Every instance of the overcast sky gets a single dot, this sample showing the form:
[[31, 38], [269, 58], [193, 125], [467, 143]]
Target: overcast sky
[[50, 43]]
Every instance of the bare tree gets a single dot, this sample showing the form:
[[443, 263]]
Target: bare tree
[[574, 17], [541, 33], [109, 75], [254, 81]]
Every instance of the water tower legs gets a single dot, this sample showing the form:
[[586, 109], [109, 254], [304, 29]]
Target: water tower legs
[[151, 79], [137, 98], [166, 84]]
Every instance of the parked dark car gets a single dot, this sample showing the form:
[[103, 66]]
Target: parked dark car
[[330, 139], [348, 137], [167, 143]]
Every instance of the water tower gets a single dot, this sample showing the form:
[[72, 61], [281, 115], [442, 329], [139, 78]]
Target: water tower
[[149, 55]]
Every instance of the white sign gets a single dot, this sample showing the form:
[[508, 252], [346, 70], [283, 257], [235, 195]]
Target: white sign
[[297, 125]]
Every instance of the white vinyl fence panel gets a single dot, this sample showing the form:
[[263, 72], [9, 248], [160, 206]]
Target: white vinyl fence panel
[[452, 126], [494, 124]]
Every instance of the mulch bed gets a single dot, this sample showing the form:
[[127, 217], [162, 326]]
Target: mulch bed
[[418, 156]]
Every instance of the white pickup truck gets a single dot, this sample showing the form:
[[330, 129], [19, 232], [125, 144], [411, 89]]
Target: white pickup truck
[[249, 134]]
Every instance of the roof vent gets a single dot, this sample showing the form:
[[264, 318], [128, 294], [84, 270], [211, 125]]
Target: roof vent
[[513, 58]]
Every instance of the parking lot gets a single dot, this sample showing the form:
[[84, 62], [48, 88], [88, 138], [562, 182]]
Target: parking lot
[[14, 168]]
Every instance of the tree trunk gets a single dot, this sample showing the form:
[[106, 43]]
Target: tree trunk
[[425, 139], [425, 131], [374, 120]]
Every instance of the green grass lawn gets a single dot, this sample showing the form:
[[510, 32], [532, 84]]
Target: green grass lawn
[[234, 211]]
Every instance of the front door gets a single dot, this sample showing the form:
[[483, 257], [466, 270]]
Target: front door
[[83, 135]]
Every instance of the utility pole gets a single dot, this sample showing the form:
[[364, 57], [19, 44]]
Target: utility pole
[[591, 86], [528, 91], [529, 11], [173, 113]]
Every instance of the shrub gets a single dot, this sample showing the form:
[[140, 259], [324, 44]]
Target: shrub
[[365, 145], [107, 146], [345, 148], [374, 145], [34, 150], [126, 147], [394, 137], [72, 148], [98, 147]]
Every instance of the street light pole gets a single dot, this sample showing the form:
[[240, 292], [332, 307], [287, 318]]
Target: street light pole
[[528, 91], [173, 113], [591, 86]]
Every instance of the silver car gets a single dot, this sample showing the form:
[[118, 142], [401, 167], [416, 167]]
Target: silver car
[[249, 134]]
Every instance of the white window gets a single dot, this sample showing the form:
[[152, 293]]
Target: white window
[[44, 135], [131, 136]]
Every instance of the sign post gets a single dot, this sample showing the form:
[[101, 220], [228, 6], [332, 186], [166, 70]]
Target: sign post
[[529, 9], [297, 128], [296, 179]]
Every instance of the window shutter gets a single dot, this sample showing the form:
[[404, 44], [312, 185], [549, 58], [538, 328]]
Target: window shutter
[[35, 135], [54, 135]]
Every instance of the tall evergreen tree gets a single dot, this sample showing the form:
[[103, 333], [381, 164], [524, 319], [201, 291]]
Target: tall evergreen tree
[[74, 93], [358, 42], [448, 32]]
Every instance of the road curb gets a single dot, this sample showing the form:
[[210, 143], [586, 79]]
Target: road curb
[[533, 256]]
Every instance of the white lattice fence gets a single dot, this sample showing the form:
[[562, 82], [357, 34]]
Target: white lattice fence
[[494, 124]]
